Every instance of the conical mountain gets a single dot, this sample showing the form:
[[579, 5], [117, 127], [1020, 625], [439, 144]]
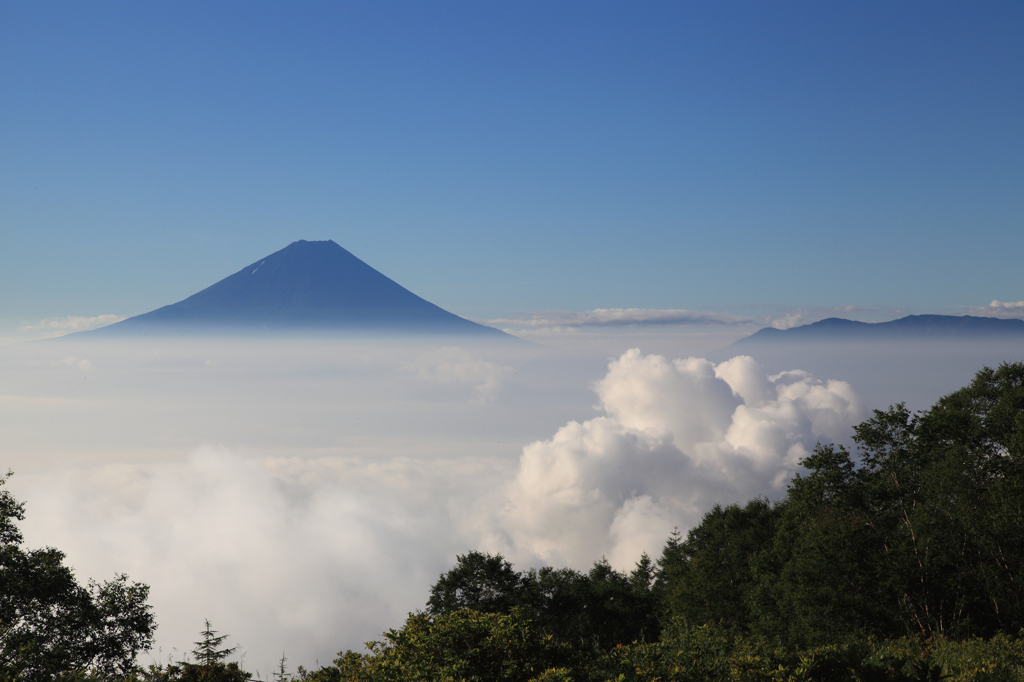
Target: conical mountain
[[304, 287]]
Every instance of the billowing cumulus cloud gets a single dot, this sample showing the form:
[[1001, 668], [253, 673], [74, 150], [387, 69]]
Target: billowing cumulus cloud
[[676, 437]]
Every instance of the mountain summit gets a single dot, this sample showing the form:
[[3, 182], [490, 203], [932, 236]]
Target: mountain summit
[[304, 287]]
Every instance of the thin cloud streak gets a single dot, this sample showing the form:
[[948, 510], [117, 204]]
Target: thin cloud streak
[[562, 322], [59, 326], [620, 317]]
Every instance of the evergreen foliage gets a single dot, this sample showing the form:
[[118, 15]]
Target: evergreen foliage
[[207, 651]]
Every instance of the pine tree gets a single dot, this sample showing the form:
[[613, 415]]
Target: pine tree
[[281, 674], [207, 652]]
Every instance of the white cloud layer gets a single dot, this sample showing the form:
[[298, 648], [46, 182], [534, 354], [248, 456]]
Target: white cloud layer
[[308, 556], [346, 487], [452, 365]]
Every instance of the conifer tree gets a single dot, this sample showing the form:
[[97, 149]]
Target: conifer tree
[[207, 651]]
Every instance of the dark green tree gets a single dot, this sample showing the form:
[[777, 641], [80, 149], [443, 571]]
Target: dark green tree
[[478, 581], [823, 576], [50, 624], [708, 578], [208, 651], [588, 611], [922, 532]]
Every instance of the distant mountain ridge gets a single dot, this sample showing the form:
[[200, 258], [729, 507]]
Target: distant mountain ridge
[[308, 286], [911, 327]]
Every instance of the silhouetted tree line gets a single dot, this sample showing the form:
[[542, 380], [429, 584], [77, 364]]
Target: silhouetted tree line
[[901, 561]]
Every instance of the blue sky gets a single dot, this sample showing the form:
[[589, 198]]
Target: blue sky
[[502, 159]]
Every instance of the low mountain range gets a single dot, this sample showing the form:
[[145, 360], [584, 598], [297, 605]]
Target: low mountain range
[[909, 328], [306, 287]]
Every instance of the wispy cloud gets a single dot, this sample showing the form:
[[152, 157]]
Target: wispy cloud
[[787, 317], [794, 319], [561, 322], [58, 326], [619, 317], [1001, 309]]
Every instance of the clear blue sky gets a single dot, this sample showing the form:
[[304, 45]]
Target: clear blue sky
[[515, 157]]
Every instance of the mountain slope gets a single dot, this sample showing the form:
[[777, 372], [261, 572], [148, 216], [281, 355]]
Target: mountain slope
[[304, 287]]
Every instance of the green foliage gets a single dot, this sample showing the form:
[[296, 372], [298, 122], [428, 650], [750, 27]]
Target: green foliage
[[692, 654], [50, 625], [464, 645], [709, 577], [590, 612], [479, 582], [192, 672]]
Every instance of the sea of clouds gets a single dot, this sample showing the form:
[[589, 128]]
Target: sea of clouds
[[304, 495]]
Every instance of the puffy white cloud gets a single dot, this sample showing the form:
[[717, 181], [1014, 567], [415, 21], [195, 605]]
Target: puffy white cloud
[[684, 398], [677, 437], [791, 320]]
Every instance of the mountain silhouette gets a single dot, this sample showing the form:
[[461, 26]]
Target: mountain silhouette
[[305, 287], [912, 327]]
